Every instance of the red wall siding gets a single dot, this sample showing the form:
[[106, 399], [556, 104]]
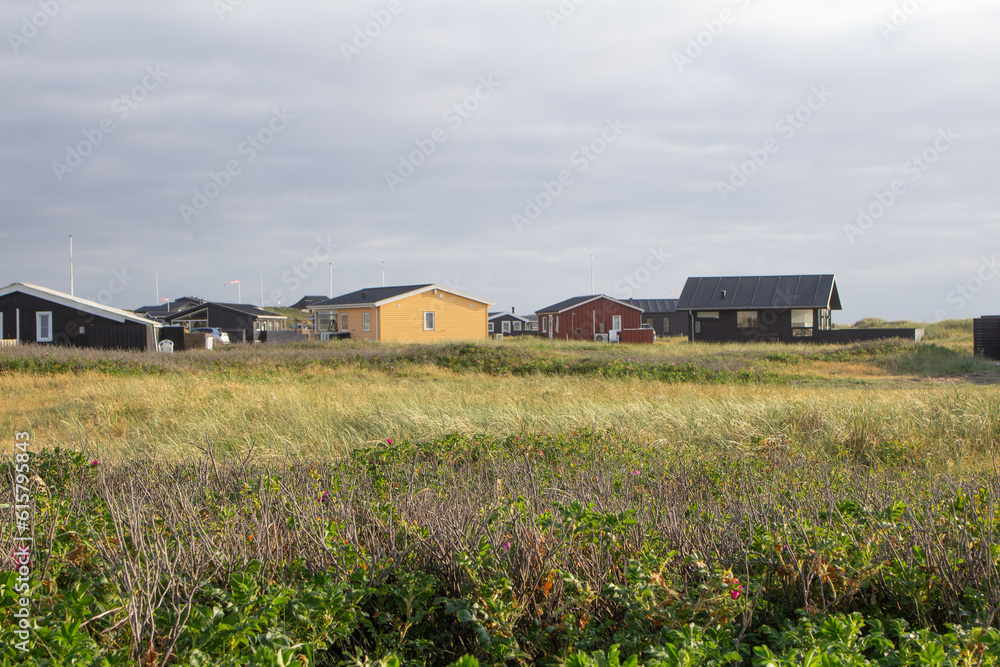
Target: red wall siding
[[579, 323]]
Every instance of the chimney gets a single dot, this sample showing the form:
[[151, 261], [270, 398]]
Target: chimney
[[512, 310], [722, 294]]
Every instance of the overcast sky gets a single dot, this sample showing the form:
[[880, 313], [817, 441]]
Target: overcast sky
[[495, 146]]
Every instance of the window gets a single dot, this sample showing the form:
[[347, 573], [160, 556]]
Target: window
[[802, 322], [557, 324], [544, 330], [616, 322], [366, 321], [506, 326], [489, 326], [666, 325], [343, 322], [708, 314], [747, 319], [824, 319], [802, 319], [429, 320], [517, 326], [43, 327]]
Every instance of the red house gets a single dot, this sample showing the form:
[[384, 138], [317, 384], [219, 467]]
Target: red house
[[594, 317]]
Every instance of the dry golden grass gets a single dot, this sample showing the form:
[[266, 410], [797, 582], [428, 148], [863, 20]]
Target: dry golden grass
[[328, 410]]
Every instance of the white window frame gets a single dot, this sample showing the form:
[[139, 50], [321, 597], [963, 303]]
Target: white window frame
[[366, 321], [557, 324], [616, 322], [489, 326], [505, 326], [343, 321], [38, 326], [433, 321], [517, 325], [544, 319]]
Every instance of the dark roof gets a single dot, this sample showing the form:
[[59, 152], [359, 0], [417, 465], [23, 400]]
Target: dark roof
[[577, 300], [307, 301], [655, 305], [170, 307], [76, 303], [497, 315], [244, 308], [755, 292], [370, 295]]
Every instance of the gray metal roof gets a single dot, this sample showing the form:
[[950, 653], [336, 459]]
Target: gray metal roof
[[655, 305], [577, 300], [757, 292]]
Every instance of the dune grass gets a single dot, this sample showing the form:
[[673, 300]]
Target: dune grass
[[326, 410]]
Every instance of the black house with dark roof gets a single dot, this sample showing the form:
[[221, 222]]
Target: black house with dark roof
[[306, 301], [508, 324], [662, 315], [241, 321], [160, 311], [747, 308]]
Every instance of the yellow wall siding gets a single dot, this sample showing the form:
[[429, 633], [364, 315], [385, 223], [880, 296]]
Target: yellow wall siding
[[354, 322], [455, 318]]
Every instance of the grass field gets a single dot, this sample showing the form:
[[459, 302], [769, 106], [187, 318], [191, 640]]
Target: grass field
[[517, 502]]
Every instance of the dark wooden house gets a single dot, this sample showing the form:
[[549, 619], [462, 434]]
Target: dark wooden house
[[591, 317], [771, 308], [33, 314], [160, 311], [242, 322], [508, 324], [747, 308], [662, 315], [306, 301]]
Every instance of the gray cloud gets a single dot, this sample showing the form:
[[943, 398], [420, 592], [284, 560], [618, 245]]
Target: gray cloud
[[323, 176]]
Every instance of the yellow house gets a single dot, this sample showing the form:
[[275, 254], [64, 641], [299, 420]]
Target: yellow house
[[408, 314]]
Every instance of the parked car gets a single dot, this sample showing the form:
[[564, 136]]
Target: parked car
[[648, 326], [217, 333]]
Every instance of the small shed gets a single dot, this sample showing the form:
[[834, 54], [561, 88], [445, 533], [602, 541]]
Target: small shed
[[986, 336], [33, 314], [591, 317]]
